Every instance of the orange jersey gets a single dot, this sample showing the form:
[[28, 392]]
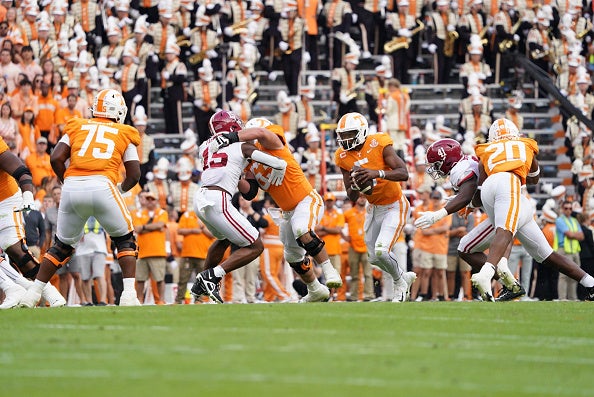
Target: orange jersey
[[295, 186], [151, 243], [332, 218], [8, 186], [512, 155], [371, 156], [194, 245], [97, 146], [355, 219]]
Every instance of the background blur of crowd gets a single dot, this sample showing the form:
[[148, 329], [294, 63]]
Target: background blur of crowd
[[210, 54]]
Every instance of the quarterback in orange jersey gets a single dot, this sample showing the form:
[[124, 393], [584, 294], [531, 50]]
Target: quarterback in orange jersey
[[16, 196], [370, 166], [96, 148], [302, 206], [506, 161]]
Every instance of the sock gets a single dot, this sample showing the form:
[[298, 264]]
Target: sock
[[325, 264], [587, 281], [315, 284], [488, 270], [15, 276], [5, 281], [129, 284], [505, 275], [219, 271], [38, 285], [391, 266]]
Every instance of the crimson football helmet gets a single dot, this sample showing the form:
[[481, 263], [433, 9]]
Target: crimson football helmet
[[224, 121], [442, 156]]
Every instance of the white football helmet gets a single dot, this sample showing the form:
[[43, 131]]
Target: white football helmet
[[352, 130], [258, 122], [110, 104], [503, 129]]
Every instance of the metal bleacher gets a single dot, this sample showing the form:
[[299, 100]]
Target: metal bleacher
[[541, 120]]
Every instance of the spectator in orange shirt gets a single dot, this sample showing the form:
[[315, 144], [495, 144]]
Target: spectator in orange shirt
[[65, 114], [46, 116], [433, 250], [329, 230], [196, 241], [354, 218], [24, 99], [39, 162], [150, 223], [29, 133]]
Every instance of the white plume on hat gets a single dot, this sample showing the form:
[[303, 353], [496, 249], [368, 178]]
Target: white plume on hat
[[161, 168], [283, 101], [112, 26], [140, 117], [93, 78], [141, 25]]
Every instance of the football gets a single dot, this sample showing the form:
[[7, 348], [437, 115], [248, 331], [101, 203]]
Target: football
[[366, 187]]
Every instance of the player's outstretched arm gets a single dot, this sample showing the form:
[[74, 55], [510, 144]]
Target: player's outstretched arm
[[277, 164], [58, 159], [267, 138], [464, 196]]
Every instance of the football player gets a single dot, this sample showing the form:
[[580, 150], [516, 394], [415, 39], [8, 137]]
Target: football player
[[95, 148], [370, 166]]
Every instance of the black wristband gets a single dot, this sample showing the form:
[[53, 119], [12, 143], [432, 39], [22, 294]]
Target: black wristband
[[233, 137]]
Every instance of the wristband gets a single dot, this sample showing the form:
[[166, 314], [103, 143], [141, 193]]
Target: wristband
[[382, 174], [535, 173]]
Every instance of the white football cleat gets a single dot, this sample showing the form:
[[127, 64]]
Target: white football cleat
[[332, 276], [53, 296], [321, 294], [483, 286], [129, 298], [13, 296], [410, 278], [400, 290], [31, 298]]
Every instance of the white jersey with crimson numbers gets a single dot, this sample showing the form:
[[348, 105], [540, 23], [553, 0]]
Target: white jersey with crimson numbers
[[222, 168], [463, 170]]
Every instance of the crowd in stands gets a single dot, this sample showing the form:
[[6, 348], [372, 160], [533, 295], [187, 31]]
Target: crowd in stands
[[55, 56]]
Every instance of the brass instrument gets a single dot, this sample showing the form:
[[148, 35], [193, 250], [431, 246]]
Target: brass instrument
[[506, 44], [482, 34], [448, 47], [352, 93], [199, 56], [240, 27], [398, 43], [538, 54], [184, 41], [253, 94], [584, 32]]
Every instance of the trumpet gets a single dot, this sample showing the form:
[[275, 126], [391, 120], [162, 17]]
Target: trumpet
[[184, 41], [352, 93], [398, 43], [448, 47], [506, 44]]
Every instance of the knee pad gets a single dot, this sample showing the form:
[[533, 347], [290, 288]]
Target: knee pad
[[126, 245], [301, 267], [314, 246], [59, 254]]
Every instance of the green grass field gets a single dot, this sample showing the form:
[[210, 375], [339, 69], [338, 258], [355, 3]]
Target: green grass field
[[334, 349]]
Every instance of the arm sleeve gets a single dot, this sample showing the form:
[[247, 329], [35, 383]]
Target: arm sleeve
[[130, 154]]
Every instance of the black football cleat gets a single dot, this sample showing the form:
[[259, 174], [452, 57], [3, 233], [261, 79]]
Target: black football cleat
[[207, 284], [508, 295]]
